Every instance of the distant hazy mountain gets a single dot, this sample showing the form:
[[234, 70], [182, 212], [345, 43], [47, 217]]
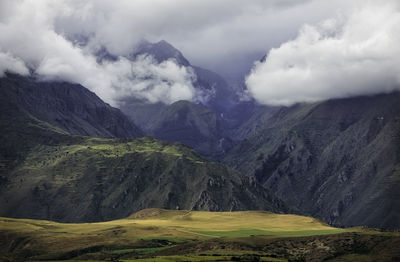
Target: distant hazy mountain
[[161, 51], [224, 96], [185, 122], [47, 173], [193, 125], [338, 160]]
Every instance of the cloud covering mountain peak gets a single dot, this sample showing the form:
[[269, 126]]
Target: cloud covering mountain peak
[[353, 54], [30, 42], [350, 54]]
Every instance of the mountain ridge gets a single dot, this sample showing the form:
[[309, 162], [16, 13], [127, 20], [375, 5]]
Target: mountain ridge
[[70, 107], [337, 160]]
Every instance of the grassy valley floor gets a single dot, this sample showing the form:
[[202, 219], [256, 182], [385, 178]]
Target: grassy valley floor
[[161, 235]]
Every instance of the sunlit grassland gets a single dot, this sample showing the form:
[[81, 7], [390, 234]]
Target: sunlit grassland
[[173, 226], [242, 223], [156, 235], [180, 225], [97, 148]]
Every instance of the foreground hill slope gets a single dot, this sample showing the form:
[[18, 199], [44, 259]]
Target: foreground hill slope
[[99, 179], [166, 235], [47, 173], [338, 160]]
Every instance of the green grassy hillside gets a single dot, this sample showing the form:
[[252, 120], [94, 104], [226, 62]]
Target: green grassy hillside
[[101, 179], [161, 235]]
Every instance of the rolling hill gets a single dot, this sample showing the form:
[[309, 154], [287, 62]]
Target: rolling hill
[[165, 235]]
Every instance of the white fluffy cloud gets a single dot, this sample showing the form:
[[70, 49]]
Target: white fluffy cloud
[[12, 64], [29, 40], [353, 54], [146, 79]]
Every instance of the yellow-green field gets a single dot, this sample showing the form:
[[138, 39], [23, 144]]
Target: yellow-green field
[[244, 223], [158, 235], [159, 223]]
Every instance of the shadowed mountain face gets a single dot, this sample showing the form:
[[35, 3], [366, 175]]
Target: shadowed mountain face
[[47, 173], [338, 160], [195, 126], [201, 126], [211, 127], [70, 107], [191, 124]]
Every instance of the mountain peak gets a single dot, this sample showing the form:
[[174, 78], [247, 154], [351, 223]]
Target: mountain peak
[[164, 43], [161, 51]]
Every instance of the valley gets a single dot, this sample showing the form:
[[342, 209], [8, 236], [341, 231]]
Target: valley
[[199, 131]]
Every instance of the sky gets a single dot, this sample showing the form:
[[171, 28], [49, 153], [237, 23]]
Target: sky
[[316, 49]]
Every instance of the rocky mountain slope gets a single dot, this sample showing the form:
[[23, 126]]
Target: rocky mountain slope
[[193, 125], [338, 160], [222, 96], [70, 107], [47, 173], [184, 121]]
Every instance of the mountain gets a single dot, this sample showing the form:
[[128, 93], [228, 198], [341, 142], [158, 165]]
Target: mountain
[[100, 179], [70, 107], [223, 96], [198, 125], [338, 160], [47, 173], [161, 51], [193, 125], [245, 117]]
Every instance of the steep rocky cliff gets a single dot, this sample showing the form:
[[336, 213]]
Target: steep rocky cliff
[[338, 160]]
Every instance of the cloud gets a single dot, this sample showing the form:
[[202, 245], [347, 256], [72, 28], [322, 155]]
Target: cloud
[[353, 54], [29, 41], [10, 64], [59, 39], [120, 24], [234, 32], [146, 79]]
